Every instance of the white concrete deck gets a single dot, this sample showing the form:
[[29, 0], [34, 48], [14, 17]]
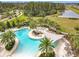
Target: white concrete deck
[[34, 36], [5, 53], [61, 44], [59, 50], [51, 35]]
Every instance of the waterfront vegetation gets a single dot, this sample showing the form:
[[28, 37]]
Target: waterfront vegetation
[[75, 9], [40, 14], [66, 24]]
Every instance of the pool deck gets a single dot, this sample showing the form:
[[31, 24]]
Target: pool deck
[[61, 44], [5, 53], [50, 35], [59, 50]]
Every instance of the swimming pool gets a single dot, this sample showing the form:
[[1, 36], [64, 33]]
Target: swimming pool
[[27, 46]]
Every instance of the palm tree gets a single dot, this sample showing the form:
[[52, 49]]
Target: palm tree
[[11, 35], [46, 46], [4, 38], [7, 37]]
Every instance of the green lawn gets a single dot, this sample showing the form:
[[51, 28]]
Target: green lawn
[[22, 18], [67, 25], [76, 10]]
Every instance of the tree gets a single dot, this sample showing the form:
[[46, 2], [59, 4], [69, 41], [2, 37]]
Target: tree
[[8, 24], [42, 13], [7, 37], [13, 24], [32, 24], [42, 8], [1, 10], [2, 26], [17, 21], [46, 46]]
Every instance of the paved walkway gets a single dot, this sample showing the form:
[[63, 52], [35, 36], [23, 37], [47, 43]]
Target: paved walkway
[[51, 35], [61, 51], [61, 42], [10, 19]]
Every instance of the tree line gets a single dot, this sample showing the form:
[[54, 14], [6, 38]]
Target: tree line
[[43, 8], [33, 8], [6, 7]]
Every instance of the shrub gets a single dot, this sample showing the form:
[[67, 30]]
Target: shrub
[[2, 29], [8, 24], [18, 26], [10, 45], [13, 24], [77, 28], [74, 40], [51, 54]]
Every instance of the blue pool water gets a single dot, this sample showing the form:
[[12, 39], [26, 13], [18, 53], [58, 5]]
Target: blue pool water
[[27, 46]]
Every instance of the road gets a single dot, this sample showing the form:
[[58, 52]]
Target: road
[[10, 19]]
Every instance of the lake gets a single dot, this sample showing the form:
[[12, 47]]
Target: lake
[[69, 14]]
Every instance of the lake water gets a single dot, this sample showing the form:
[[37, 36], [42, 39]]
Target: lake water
[[69, 14]]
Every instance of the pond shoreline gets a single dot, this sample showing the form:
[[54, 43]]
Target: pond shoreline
[[69, 14]]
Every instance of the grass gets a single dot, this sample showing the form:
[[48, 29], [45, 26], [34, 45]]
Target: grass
[[67, 25], [76, 10], [21, 18]]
